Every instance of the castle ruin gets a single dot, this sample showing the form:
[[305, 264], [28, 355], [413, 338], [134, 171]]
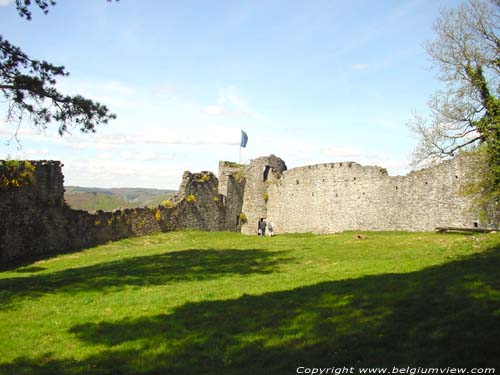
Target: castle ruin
[[336, 197], [322, 198]]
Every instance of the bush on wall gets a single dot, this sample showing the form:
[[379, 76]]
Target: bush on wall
[[16, 173], [191, 198]]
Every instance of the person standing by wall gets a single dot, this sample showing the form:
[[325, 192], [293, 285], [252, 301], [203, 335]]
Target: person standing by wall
[[262, 227], [270, 229]]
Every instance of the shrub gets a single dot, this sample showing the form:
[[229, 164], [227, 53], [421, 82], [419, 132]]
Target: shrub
[[204, 178], [158, 215], [243, 218], [239, 176], [265, 196], [16, 173], [216, 199], [167, 203], [191, 198], [233, 164]]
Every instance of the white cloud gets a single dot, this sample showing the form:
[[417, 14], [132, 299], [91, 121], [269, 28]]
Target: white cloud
[[37, 153], [76, 85], [173, 136], [4, 3], [395, 166], [29, 154], [145, 156], [114, 94]]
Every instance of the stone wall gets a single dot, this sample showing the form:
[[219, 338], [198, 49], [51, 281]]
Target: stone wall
[[31, 216], [231, 188], [259, 174], [323, 198], [35, 219], [335, 197]]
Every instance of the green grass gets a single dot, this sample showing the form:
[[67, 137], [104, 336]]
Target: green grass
[[223, 303]]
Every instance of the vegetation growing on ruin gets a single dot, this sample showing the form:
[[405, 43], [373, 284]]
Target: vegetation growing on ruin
[[158, 216], [239, 175], [190, 198], [204, 178], [233, 164], [16, 173], [223, 303], [167, 203]]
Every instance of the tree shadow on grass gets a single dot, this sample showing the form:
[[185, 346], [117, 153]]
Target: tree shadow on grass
[[171, 267], [443, 316]]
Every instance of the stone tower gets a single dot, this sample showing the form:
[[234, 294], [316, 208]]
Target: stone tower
[[259, 174]]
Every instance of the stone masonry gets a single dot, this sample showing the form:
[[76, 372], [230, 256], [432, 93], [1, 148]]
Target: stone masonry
[[34, 219], [322, 198], [336, 197]]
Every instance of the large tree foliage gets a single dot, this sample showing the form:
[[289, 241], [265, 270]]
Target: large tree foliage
[[465, 113], [28, 87]]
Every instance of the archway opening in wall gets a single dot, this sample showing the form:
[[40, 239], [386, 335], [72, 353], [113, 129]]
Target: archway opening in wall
[[267, 169]]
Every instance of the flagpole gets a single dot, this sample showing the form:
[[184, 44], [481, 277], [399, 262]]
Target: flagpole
[[239, 158]]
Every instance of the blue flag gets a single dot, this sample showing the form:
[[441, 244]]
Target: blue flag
[[244, 139]]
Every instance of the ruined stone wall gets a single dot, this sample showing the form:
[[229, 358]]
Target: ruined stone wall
[[323, 198], [232, 184], [199, 205], [335, 197], [34, 219], [33, 214], [259, 175]]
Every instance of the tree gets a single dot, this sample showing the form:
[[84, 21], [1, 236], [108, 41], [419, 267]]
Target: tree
[[464, 114], [28, 87]]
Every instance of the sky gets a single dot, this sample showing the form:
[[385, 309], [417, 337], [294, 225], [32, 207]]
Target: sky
[[310, 81]]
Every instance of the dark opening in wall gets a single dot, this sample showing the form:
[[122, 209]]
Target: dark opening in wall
[[354, 178], [475, 224], [267, 169], [297, 182]]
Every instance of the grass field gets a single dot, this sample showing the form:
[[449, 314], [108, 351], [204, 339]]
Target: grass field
[[223, 303]]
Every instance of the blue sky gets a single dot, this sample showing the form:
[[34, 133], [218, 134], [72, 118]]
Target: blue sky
[[309, 81]]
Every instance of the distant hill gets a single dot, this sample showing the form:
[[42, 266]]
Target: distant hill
[[93, 199]]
